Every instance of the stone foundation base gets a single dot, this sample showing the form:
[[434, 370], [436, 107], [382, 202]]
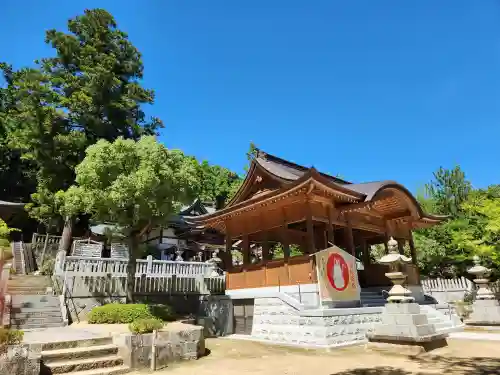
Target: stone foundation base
[[485, 312], [406, 348]]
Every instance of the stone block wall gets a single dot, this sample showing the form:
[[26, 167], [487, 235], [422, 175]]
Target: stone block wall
[[177, 342], [216, 315], [276, 321], [20, 359]]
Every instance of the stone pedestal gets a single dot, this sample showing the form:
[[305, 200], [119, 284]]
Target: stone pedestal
[[485, 312], [404, 325], [485, 309]]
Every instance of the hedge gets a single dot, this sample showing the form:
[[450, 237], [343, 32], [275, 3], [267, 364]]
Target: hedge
[[115, 313], [145, 325], [10, 336]]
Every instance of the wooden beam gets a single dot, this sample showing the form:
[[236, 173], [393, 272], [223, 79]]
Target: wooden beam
[[354, 207]]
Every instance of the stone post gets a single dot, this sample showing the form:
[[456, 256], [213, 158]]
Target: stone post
[[403, 328], [485, 309]]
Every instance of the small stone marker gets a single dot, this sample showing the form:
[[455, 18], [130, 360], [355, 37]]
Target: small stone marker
[[485, 309], [403, 328]]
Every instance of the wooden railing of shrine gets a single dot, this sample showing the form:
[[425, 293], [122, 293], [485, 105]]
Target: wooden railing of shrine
[[301, 270], [279, 272]]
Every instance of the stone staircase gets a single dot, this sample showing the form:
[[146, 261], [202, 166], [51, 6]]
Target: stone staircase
[[83, 357], [442, 322], [32, 304], [372, 298]]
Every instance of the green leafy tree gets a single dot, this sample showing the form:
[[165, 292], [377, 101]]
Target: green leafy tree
[[89, 90], [17, 178], [217, 183], [136, 185], [449, 190], [478, 233]]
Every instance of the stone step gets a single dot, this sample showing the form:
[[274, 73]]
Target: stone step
[[36, 314], [79, 353], [63, 367], [34, 298], [116, 370], [36, 325], [76, 343]]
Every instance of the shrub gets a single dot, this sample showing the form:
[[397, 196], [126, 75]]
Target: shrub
[[145, 325], [10, 336], [48, 267], [115, 313]]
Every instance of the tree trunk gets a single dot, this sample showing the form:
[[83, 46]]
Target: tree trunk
[[132, 252], [65, 243]]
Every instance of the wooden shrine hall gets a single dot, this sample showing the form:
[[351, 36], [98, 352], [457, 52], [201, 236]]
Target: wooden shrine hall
[[282, 202]]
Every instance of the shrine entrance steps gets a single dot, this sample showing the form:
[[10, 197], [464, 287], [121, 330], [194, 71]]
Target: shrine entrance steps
[[97, 356], [32, 303]]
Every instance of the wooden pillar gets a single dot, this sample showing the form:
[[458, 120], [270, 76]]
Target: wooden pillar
[[330, 224], [401, 245], [350, 238], [310, 230], [366, 253], [246, 250], [413, 251], [228, 257], [265, 249], [284, 238]]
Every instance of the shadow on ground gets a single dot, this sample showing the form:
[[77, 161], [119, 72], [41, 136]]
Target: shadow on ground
[[436, 365], [381, 370], [457, 365]]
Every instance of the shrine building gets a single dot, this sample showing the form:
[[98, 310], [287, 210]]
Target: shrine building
[[282, 202]]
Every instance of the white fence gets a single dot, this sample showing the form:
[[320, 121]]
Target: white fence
[[87, 275], [90, 266], [451, 290]]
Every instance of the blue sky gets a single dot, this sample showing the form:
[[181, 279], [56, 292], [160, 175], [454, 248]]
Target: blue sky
[[367, 89]]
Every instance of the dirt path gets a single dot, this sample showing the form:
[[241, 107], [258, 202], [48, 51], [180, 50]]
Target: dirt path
[[232, 357]]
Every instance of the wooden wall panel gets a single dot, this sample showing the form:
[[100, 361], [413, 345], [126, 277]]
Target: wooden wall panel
[[277, 273], [255, 276], [301, 270]]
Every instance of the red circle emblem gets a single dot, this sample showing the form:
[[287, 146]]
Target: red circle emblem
[[337, 271]]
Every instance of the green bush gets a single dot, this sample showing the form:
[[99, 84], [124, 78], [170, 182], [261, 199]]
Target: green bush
[[48, 267], [10, 336], [145, 325], [115, 313]]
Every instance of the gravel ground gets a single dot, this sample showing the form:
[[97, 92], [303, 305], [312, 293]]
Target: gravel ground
[[230, 357]]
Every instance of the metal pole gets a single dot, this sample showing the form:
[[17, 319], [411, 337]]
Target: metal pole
[[300, 295], [153, 351]]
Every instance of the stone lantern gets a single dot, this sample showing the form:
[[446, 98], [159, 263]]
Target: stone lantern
[[485, 309], [398, 293], [403, 327], [215, 262]]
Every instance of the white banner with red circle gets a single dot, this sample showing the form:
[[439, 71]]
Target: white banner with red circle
[[337, 275]]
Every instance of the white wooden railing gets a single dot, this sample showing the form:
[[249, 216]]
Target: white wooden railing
[[88, 266]]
